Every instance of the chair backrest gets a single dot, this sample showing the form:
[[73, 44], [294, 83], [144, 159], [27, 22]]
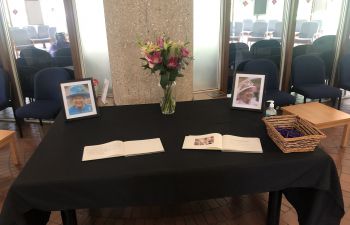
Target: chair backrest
[[20, 37], [344, 70], [63, 52], [259, 29], [328, 59], [324, 43], [265, 67], [62, 61], [298, 25], [36, 57], [47, 83], [32, 33], [238, 28], [52, 33], [266, 48], [308, 29], [272, 25], [5, 91], [26, 76], [238, 52], [247, 24], [301, 50], [43, 31], [308, 70], [278, 29]]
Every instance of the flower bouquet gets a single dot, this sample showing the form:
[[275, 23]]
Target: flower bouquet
[[168, 58]]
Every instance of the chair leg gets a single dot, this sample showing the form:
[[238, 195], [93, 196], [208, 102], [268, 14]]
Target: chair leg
[[304, 99], [41, 122], [319, 100], [18, 123], [339, 102]]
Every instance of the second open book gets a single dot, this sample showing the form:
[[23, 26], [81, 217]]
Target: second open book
[[228, 143]]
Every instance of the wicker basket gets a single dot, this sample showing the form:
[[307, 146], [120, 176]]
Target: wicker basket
[[308, 142]]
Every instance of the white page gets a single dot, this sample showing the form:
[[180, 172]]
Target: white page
[[241, 144], [143, 147], [107, 150], [211, 141]]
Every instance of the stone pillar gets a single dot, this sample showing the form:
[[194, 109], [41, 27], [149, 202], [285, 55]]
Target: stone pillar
[[129, 21]]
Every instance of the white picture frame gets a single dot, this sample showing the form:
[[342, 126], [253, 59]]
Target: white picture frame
[[248, 91], [79, 99]]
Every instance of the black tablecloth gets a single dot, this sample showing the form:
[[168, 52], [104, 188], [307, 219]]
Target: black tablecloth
[[55, 178]]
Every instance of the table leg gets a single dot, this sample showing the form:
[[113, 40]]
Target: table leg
[[14, 151], [274, 208], [345, 138], [69, 217]]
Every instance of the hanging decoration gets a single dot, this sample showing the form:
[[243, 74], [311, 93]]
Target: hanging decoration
[[274, 2], [15, 11], [245, 3]]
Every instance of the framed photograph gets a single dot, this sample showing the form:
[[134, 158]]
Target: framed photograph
[[79, 99], [248, 91]]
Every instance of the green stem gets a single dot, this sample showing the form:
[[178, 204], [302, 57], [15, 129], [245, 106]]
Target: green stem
[[168, 103]]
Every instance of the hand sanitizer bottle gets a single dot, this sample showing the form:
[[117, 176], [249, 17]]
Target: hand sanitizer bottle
[[271, 111]]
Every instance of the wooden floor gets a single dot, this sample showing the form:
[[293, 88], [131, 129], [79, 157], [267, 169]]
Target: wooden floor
[[238, 210]]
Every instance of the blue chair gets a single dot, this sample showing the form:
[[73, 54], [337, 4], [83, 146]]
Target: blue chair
[[247, 25], [238, 53], [308, 79], [301, 50], [324, 43], [344, 72], [267, 49], [36, 58], [5, 94], [269, 69], [236, 31], [258, 31], [307, 33], [277, 33], [47, 95], [63, 57]]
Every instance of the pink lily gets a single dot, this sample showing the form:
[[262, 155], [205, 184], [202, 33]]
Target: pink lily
[[173, 63], [185, 52], [154, 58]]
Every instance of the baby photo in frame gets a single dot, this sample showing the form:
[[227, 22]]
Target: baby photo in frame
[[248, 91], [79, 99]]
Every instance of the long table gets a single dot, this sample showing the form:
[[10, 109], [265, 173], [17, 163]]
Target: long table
[[55, 178]]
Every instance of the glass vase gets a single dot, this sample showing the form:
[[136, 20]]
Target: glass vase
[[168, 101]]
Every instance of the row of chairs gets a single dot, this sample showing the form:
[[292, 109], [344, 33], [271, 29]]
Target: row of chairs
[[47, 95], [308, 79], [28, 36], [32, 60], [324, 47], [260, 29]]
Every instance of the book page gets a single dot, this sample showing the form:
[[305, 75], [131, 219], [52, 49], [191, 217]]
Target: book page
[[143, 147], [107, 150], [241, 144], [208, 141]]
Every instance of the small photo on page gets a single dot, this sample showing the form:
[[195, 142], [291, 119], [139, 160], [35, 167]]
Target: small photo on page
[[204, 141]]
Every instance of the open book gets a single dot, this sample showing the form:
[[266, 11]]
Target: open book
[[119, 148], [227, 143]]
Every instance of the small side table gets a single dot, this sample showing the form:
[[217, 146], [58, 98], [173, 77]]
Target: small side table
[[322, 116], [7, 137]]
